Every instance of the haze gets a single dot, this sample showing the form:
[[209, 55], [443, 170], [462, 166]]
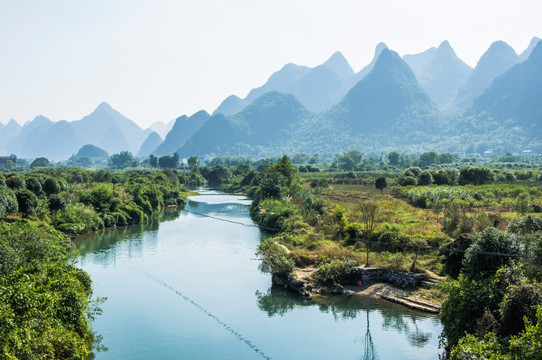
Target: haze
[[154, 61]]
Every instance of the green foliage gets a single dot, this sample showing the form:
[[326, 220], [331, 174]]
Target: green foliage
[[481, 259], [337, 272], [8, 202], [56, 203], [44, 300], [381, 183], [122, 160], [27, 201], [475, 175], [276, 258], [528, 344], [51, 186], [470, 347], [15, 182], [77, 219], [39, 162], [33, 185], [425, 178]]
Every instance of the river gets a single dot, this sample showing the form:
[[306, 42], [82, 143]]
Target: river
[[190, 287]]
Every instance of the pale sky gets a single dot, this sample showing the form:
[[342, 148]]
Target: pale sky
[[156, 60]]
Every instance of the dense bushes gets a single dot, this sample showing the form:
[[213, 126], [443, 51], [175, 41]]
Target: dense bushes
[[44, 299]]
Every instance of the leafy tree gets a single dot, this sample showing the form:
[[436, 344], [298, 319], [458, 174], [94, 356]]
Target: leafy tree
[[381, 183], [482, 258], [51, 186], [123, 160], [56, 203], [478, 175], [425, 178], [33, 185], [428, 159], [153, 161], [193, 163], [169, 161], [8, 202], [15, 182], [393, 158], [27, 201], [39, 162], [218, 175]]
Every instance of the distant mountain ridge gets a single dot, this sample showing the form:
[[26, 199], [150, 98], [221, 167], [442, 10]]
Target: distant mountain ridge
[[104, 127], [494, 62]]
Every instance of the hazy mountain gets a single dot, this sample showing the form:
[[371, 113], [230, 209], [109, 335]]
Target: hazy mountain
[[317, 88], [92, 152], [513, 99], [418, 62], [162, 128], [7, 132], [149, 145], [110, 130], [525, 54], [387, 107], [339, 65], [387, 100], [367, 69], [183, 128], [443, 75], [231, 105], [495, 61], [278, 81], [261, 127], [59, 142], [30, 134]]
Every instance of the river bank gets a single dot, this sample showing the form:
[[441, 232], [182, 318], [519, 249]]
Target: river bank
[[398, 287]]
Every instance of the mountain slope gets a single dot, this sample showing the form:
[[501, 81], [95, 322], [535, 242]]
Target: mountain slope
[[183, 129], [31, 134], [525, 54], [443, 75], [495, 61], [149, 145], [261, 127], [513, 99], [94, 129], [384, 97]]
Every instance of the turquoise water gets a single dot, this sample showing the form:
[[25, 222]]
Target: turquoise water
[[190, 287]]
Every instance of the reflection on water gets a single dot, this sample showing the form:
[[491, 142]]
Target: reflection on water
[[279, 302], [187, 286]]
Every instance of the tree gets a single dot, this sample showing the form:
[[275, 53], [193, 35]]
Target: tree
[[153, 161], [425, 178], [51, 186], [8, 202], [381, 183], [428, 159], [193, 163], [393, 158], [123, 160], [368, 213], [33, 185], [56, 203], [218, 175], [39, 162], [15, 182], [27, 201], [483, 258]]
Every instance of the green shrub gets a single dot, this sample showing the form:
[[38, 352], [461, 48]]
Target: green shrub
[[337, 272]]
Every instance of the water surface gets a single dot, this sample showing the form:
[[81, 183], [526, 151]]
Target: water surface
[[189, 287]]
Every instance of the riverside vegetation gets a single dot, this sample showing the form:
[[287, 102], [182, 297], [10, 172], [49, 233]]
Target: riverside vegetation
[[46, 304], [478, 228], [437, 215]]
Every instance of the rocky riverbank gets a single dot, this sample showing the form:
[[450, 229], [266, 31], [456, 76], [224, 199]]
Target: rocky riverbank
[[390, 285]]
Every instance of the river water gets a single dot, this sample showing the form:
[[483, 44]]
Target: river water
[[189, 287]]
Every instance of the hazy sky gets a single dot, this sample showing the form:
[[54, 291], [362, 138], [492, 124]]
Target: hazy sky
[[156, 60]]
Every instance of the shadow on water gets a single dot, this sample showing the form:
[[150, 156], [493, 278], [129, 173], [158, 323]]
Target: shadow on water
[[103, 240], [278, 302]]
